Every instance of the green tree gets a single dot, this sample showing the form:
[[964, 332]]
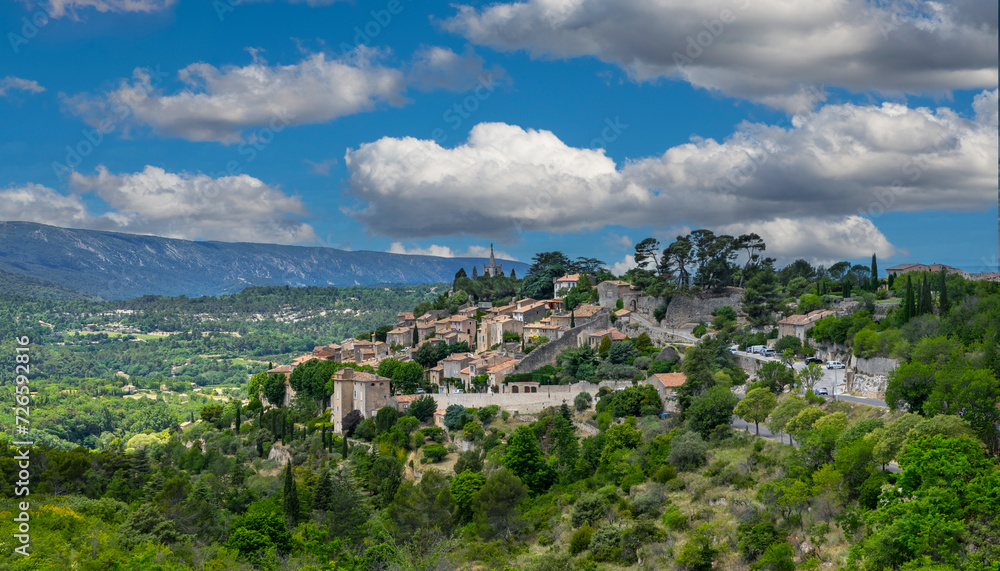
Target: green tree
[[713, 409], [290, 498], [909, 302], [524, 458], [407, 377], [463, 492], [498, 500], [687, 451], [909, 386], [274, 389], [583, 401], [756, 406], [423, 507], [621, 352], [786, 410], [944, 304], [874, 274], [604, 347], [423, 408], [453, 416], [385, 419]]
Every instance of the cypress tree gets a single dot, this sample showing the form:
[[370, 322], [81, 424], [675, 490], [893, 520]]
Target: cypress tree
[[344, 448], [291, 495], [237, 417], [926, 294], [416, 338], [944, 304], [845, 288], [909, 308], [874, 273], [321, 497], [572, 319], [922, 300]]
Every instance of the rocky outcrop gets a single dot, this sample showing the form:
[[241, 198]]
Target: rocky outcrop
[[697, 307]]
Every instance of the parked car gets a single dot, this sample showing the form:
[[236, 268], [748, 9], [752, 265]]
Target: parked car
[[420, 391], [810, 360], [733, 350], [768, 353], [835, 365], [821, 391]]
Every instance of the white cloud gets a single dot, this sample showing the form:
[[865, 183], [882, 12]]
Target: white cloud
[[219, 104], [11, 83], [843, 160], [621, 266], [175, 205], [447, 252], [617, 242], [321, 167], [60, 8], [818, 239], [764, 50], [985, 106]]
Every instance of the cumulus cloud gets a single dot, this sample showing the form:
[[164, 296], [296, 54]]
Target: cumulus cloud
[[985, 106], [219, 103], [447, 252], [621, 266], [61, 8], [764, 50], [11, 83], [842, 161], [817, 239], [176, 205]]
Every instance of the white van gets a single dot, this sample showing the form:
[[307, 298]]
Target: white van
[[756, 348], [835, 365]]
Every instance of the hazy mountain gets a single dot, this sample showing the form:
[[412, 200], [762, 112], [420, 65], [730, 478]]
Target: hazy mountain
[[119, 266]]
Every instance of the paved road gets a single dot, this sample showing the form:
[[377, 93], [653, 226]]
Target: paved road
[[831, 378]]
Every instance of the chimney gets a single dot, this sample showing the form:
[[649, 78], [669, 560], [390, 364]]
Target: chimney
[[346, 374]]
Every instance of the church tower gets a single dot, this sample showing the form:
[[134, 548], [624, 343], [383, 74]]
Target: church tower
[[493, 269]]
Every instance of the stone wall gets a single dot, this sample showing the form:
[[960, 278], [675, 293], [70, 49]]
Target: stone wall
[[748, 364], [546, 354], [874, 366], [692, 308], [869, 386], [547, 395]]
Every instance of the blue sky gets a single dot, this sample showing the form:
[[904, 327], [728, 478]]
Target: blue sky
[[833, 129]]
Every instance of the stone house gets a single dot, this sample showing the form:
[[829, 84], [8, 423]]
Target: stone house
[[491, 331], [666, 385], [797, 325], [594, 338], [359, 391], [402, 336], [405, 319], [285, 370], [552, 332], [610, 291], [497, 373], [529, 313]]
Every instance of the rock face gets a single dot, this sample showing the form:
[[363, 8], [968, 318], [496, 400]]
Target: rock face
[[113, 266], [696, 307], [668, 354]]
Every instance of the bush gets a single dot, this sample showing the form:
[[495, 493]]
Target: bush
[[583, 401], [699, 330], [687, 451], [754, 539], [788, 342], [674, 519], [487, 414], [664, 474], [581, 539], [588, 509], [642, 363], [435, 452], [605, 544], [650, 501], [453, 416]]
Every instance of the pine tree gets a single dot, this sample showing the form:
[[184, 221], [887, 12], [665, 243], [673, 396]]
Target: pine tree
[[944, 304], [475, 273], [513, 275], [874, 273]]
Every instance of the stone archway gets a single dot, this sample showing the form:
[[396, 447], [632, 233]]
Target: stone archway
[[513, 389], [631, 305]]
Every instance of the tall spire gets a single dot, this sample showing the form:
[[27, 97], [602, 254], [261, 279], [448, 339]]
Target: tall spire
[[493, 261]]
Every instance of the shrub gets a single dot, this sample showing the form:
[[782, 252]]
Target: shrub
[[435, 452], [699, 330], [453, 416], [754, 539], [687, 451], [581, 539], [664, 474], [583, 401], [605, 544], [487, 414], [588, 509], [674, 519]]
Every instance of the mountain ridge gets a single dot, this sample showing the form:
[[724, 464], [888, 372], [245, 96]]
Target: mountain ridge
[[115, 265]]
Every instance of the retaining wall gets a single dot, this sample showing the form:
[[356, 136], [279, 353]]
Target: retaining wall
[[874, 366], [547, 395], [699, 306], [546, 354]]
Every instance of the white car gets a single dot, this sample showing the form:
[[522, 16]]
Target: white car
[[835, 365], [822, 392]]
